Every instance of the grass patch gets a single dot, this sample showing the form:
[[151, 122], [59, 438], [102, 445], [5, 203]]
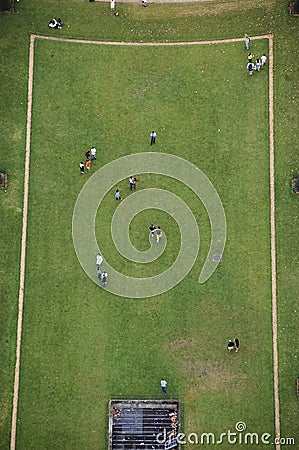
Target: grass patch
[[81, 348], [90, 371]]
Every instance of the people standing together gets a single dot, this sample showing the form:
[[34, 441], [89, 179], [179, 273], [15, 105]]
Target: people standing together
[[259, 63], [155, 231], [102, 276], [233, 345], [132, 183], [90, 155]]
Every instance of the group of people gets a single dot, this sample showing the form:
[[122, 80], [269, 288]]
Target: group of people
[[155, 231], [163, 386], [56, 23], [90, 155], [233, 345], [116, 412], [258, 65], [259, 62], [132, 183], [132, 187], [102, 276]]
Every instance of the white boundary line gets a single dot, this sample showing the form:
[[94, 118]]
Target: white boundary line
[[26, 196]]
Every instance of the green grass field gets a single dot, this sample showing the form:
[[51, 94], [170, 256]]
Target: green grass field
[[81, 345]]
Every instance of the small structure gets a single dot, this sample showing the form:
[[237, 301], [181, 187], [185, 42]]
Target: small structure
[[294, 8], [143, 424], [7, 5]]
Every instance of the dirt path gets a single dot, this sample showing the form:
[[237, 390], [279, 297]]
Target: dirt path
[[273, 242]]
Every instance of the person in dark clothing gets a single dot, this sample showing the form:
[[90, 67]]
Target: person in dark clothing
[[56, 23], [153, 137], [230, 346], [59, 23], [152, 230]]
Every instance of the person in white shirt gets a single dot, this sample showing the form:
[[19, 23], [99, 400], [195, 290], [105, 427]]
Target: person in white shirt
[[163, 386], [53, 23], [158, 233], [258, 64], [153, 137], [99, 259], [264, 60], [132, 181], [250, 67], [104, 278], [93, 152]]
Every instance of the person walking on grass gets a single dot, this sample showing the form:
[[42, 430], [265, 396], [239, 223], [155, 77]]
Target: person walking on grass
[[104, 279], [87, 155], [258, 64], [117, 195], [131, 182], [247, 41], [93, 152], [230, 346], [250, 68], [135, 179], [152, 230], [263, 60], [153, 137], [81, 165], [250, 57], [237, 345], [163, 386]]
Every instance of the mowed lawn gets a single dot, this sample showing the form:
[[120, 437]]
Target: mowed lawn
[[83, 346]]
